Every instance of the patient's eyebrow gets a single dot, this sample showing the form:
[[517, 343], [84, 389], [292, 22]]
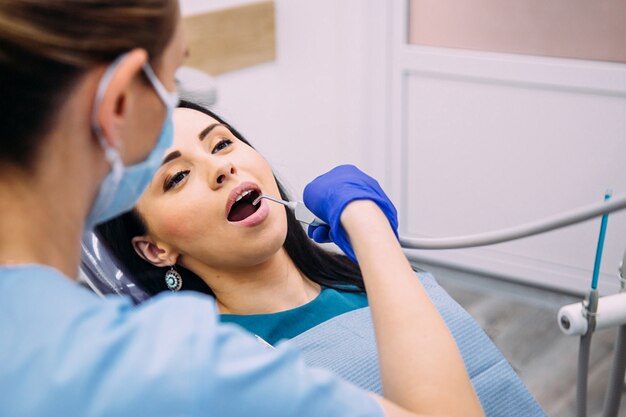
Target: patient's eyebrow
[[208, 130], [170, 156]]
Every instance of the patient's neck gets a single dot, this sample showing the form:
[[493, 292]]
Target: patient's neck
[[273, 286]]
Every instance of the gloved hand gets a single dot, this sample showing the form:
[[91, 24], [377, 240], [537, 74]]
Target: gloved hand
[[327, 195]]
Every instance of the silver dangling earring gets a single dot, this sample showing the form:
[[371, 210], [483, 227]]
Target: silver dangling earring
[[173, 280]]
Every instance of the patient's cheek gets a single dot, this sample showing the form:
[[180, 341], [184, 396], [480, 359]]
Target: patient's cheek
[[184, 224], [177, 226], [176, 229]]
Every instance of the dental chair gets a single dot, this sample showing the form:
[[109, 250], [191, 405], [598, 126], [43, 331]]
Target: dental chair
[[103, 274]]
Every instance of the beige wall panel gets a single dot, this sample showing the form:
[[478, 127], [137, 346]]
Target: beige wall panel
[[230, 39], [585, 29]]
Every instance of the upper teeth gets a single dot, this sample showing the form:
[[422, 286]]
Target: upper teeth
[[242, 195]]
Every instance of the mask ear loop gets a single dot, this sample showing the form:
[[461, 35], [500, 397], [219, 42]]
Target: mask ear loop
[[169, 98], [97, 102], [111, 154]]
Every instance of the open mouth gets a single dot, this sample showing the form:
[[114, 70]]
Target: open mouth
[[243, 207]]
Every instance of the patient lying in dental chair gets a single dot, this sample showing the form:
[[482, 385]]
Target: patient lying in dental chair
[[196, 229]]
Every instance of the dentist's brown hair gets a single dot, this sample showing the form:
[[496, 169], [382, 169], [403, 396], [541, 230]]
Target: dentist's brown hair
[[47, 45]]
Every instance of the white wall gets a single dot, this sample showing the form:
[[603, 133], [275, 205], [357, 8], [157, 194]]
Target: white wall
[[304, 111]]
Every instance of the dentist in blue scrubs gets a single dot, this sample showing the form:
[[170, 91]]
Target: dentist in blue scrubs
[[87, 95]]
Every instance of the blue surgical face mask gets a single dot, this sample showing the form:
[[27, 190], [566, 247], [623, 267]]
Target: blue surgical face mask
[[123, 185]]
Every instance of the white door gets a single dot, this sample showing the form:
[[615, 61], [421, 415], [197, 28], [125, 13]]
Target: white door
[[476, 141]]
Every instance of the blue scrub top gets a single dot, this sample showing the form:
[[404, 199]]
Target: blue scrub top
[[66, 352]]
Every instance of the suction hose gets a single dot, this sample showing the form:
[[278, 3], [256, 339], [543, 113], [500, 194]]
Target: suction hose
[[530, 229]]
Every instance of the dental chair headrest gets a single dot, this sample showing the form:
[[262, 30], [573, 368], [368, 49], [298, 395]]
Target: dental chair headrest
[[103, 273]]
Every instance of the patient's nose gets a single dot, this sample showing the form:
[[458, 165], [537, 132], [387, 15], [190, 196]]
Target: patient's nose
[[223, 173]]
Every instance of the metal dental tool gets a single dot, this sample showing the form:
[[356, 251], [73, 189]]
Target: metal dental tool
[[303, 214]]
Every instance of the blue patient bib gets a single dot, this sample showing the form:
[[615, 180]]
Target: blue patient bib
[[346, 345]]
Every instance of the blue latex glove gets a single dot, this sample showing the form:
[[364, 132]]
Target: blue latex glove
[[327, 195]]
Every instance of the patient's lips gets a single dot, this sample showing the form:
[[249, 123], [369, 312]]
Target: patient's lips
[[239, 207]]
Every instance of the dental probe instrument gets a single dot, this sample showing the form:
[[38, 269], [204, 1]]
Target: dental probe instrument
[[303, 214]]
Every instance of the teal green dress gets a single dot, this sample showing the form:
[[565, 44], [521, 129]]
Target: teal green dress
[[287, 324]]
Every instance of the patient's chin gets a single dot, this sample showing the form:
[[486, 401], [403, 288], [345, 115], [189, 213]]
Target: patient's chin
[[262, 250], [245, 253]]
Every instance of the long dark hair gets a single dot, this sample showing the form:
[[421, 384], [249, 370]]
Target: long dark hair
[[319, 265]]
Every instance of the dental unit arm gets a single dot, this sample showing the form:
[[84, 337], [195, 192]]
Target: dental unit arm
[[530, 229]]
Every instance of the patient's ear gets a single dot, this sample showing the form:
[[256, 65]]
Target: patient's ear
[[150, 251]]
